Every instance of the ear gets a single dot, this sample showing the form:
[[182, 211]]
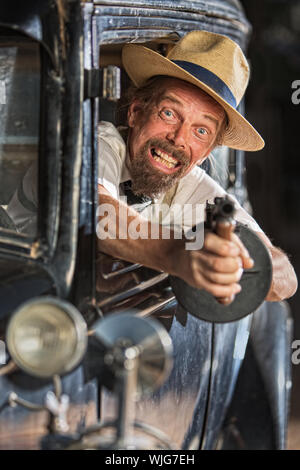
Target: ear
[[134, 113]]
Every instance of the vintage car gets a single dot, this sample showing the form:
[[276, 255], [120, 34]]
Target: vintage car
[[70, 319]]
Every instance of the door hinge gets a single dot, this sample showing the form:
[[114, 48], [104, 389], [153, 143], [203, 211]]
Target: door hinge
[[103, 83]]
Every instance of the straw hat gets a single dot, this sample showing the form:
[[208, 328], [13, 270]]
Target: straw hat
[[214, 63]]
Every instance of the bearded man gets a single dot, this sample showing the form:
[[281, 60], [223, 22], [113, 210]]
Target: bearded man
[[184, 106]]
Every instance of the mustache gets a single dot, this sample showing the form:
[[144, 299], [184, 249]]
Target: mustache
[[149, 181], [180, 155]]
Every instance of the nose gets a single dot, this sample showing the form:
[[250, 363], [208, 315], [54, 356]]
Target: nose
[[178, 136]]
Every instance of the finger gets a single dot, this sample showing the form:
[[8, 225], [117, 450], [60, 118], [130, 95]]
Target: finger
[[206, 261], [217, 290], [219, 246], [223, 278], [226, 300], [248, 262]]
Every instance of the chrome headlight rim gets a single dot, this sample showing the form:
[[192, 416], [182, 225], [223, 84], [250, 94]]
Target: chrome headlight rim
[[80, 329]]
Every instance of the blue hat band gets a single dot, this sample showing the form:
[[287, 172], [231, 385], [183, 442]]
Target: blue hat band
[[210, 79]]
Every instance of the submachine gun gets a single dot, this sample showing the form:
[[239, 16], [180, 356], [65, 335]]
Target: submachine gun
[[255, 282]]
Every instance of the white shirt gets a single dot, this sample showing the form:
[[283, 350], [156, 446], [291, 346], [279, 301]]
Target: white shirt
[[188, 197]]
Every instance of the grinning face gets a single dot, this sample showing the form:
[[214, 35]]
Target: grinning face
[[170, 135]]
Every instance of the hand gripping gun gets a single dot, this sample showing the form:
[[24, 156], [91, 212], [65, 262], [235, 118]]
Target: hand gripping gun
[[255, 282]]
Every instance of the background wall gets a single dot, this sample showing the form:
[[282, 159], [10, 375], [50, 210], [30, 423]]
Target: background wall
[[273, 174]]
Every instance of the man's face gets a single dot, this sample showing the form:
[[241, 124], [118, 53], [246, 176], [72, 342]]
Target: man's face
[[170, 136]]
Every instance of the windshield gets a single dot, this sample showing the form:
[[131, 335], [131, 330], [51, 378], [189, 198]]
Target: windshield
[[19, 133]]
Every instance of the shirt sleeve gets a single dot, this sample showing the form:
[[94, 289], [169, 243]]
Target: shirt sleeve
[[111, 156], [206, 189], [108, 170], [241, 215]]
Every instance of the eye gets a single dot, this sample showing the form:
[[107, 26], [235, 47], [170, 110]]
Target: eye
[[201, 131], [168, 115]]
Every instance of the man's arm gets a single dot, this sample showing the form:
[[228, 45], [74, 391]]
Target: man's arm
[[284, 282], [217, 267]]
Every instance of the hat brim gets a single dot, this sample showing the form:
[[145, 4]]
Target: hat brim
[[142, 63]]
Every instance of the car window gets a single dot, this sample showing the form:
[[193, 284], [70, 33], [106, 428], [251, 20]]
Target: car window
[[19, 133]]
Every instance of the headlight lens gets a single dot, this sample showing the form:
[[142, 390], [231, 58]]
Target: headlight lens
[[46, 336]]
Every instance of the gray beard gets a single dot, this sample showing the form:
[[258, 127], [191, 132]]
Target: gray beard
[[147, 180]]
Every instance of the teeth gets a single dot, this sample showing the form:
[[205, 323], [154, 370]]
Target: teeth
[[164, 162], [165, 156]]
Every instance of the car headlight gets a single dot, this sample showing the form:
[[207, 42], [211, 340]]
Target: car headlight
[[46, 336]]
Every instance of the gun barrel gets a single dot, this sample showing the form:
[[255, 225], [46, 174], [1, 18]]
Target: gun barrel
[[227, 209], [224, 207]]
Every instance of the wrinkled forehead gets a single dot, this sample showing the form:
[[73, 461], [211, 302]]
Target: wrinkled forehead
[[169, 86]]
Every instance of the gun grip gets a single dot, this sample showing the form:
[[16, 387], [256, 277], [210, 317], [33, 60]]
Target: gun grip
[[224, 229]]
